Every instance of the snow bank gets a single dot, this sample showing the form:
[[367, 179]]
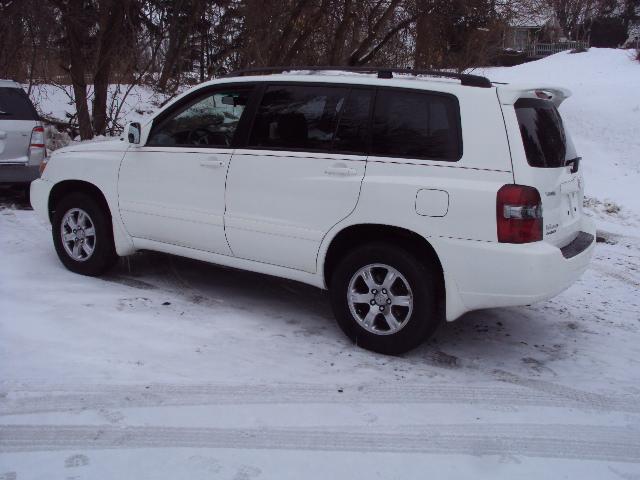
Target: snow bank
[[56, 101], [603, 116]]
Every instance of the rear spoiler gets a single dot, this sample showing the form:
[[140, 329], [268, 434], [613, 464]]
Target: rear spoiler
[[509, 94]]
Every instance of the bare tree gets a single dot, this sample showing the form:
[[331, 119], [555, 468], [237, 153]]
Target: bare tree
[[183, 18], [114, 26], [75, 17], [166, 43]]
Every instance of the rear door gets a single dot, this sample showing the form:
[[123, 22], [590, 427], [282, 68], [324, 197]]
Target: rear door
[[17, 119], [544, 157], [299, 174]]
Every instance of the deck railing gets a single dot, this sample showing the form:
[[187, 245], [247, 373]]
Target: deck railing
[[546, 49]]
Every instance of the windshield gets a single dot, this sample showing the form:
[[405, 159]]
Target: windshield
[[543, 135]]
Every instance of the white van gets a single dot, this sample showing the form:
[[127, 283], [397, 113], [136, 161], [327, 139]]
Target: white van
[[412, 198]]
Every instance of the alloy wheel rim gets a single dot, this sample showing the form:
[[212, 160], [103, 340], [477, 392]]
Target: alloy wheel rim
[[380, 299], [78, 234]]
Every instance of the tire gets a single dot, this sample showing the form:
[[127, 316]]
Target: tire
[[399, 328], [99, 243]]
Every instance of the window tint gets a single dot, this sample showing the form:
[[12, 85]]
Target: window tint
[[298, 117], [15, 105], [542, 132], [352, 132], [210, 121], [415, 124]]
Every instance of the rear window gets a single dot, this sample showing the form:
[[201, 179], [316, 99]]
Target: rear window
[[15, 105], [543, 135], [416, 125]]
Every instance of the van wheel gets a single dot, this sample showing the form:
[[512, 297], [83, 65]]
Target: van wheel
[[83, 235], [385, 299]]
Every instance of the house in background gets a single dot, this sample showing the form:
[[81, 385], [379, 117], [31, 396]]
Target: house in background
[[536, 36]]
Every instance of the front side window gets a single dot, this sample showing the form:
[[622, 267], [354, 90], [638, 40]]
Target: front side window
[[298, 117], [210, 121], [416, 125]]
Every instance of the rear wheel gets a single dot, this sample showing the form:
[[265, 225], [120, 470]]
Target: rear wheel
[[385, 299], [83, 235]]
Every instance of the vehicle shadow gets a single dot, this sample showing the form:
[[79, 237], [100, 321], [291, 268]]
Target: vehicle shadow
[[208, 284], [518, 338], [15, 197]]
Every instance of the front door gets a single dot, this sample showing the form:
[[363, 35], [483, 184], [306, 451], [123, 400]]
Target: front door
[[172, 189], [300, 173]]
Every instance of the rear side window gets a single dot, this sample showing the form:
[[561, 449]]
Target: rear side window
[[416, 125], [15, 105], [352, 134], [298, 117], [543, 135], [314, 118]]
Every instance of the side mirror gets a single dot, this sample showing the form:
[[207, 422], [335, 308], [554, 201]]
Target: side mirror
[[133, 135]]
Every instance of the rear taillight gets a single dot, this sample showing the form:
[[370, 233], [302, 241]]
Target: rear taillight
[[37, 148], [519, 214], [37, 138]]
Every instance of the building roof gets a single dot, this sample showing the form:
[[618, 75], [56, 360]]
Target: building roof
[[531, 19]]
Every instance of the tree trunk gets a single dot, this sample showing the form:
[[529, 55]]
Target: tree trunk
[[72, 20], [364, 49], [421, 53], [112, 15], [82, 110], [337, 48], [181, 26]]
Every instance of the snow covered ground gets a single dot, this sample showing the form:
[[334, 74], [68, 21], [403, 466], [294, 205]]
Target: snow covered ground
[[171, 368], [56, 101]]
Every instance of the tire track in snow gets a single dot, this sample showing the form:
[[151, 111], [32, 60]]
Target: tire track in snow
[[613, 273], [521, 392], [553, 441], [626, 403]]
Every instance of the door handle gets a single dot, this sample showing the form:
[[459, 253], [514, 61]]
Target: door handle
[[3, 135], [213, 163], [340, 171]]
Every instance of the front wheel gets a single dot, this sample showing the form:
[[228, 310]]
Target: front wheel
[[83, 235], [385, 299]]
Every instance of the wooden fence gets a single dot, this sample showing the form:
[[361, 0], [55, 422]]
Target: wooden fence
[[538, 50]]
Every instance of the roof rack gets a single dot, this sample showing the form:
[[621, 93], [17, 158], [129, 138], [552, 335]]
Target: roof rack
[[382, 72]]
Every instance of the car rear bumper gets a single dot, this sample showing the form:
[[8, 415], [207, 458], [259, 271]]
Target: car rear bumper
[[489, 274], [39, 196], [18, 173]]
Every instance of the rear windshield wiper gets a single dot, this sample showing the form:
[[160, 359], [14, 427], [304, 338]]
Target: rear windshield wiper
[[574, 163], [2, 112]]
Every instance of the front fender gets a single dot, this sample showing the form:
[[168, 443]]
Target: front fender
[[100, 169]]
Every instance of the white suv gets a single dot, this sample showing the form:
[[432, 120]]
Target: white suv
[[411, 198], [21, 136]]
